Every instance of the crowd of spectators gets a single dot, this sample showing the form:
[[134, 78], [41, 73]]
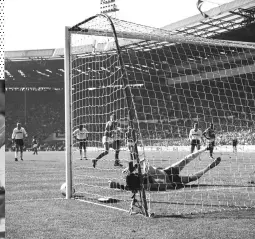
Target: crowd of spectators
[[244, 137], [158, 134], [42, 113]]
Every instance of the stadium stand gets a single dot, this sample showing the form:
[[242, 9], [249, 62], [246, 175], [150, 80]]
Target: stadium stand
[[35, 82], [41, 113]]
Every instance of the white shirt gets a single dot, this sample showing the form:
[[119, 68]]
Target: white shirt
[[81, 134], [19, 133], [197, 135]]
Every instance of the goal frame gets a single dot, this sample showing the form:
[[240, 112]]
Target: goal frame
[[68, 112], [209, 50], [68, 107]]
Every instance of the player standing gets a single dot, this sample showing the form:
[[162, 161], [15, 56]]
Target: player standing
[[35, 145], [130, 141], [234, 143], [81, 135], [209, 134], [110, 140], [18, 135], [195, 137]]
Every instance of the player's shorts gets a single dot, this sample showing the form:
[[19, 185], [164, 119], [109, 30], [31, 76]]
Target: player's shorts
[[211, 143], [106, 139], [35, 145], [195, 142], [82, 143], [19, 142], [173, 174], [234, 144], [115, 144]]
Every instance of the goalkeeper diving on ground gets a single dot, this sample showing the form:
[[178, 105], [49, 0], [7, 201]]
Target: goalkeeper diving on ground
[[156, 178]]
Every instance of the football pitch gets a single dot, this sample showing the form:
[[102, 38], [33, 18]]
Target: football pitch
[[36, 209]]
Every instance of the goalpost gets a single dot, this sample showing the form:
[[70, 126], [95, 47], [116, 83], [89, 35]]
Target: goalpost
[[159, 84]]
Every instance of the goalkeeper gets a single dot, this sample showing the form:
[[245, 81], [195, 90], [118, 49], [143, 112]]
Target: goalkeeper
[[156, 178]]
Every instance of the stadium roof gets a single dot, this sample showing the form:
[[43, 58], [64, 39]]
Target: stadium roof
[[230, 21], [224, 22]]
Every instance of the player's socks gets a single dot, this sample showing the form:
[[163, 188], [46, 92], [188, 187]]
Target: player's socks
[[117, 163], [113, 184], [94, 162]]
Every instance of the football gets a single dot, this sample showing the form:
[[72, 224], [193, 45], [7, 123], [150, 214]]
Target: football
[[63, 189]]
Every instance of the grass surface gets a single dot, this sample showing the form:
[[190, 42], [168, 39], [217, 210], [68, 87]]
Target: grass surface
[[36, 209]]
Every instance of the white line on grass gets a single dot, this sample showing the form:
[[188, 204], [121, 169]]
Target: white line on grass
[[81, 200], [37, 199], [99, 204], [159, 192]]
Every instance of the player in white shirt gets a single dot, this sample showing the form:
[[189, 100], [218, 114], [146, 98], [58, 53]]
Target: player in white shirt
[[81, 135], [18, 135], [195, 137]]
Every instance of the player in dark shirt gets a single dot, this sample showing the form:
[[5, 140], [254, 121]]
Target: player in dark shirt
[[209, 134], [111, 139], [234, 143], [130, 141], [34, 145]]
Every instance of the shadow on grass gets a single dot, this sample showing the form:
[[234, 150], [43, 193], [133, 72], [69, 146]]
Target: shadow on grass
[[217, 185], [223, 214]]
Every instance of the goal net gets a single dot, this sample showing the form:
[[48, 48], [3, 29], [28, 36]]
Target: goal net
[[160, 83]]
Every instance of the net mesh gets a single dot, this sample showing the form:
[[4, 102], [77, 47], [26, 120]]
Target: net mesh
[[174, 81]]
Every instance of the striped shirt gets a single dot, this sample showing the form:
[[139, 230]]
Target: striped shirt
[[209, 133], [110, 128]]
